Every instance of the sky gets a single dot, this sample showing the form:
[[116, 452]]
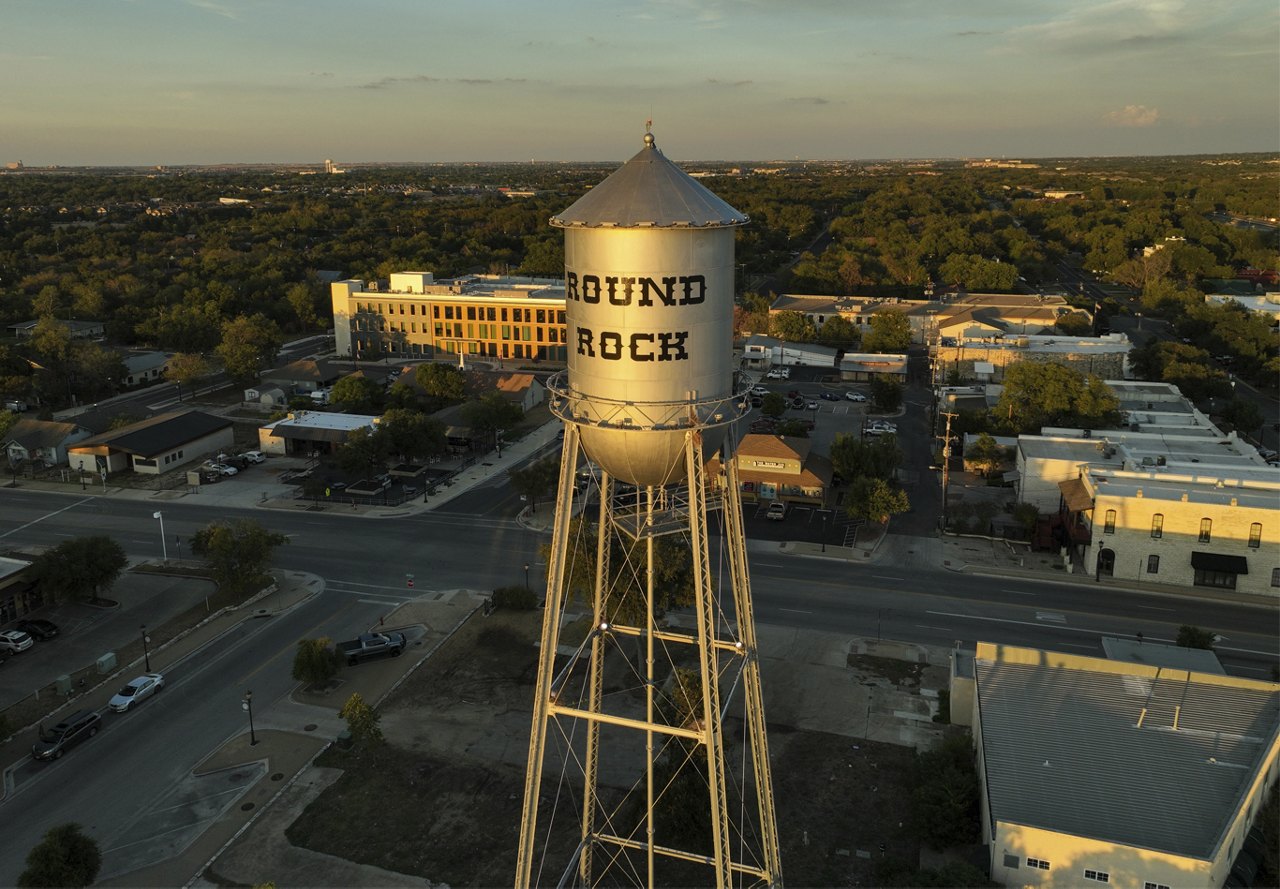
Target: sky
[[141, 82]]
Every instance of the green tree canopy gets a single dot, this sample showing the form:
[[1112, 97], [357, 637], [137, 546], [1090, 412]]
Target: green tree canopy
[[412, 434], [986, 454], [875, 500], [839, 332], [1244, 415], [188, 369], [794, 327], [365, 450], [890, 332], [362, 721], [536, 480], [855, 457], [79, 568], [357, 394], [1039, 393], [315, 662], [65, 857], [945, 800], [886, 394], [248, 346], [773, 405], [491, 412], [441, 381], [239, 554]]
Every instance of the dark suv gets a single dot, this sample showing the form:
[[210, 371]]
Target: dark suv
[[66, 734]]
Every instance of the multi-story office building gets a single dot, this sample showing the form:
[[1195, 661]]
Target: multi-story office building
[[486, 316]]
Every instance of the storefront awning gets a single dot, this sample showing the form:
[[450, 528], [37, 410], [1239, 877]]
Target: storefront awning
[[1220, 563]]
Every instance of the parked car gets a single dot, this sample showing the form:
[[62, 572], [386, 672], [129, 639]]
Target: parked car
[[223, 469], [137, 691], [775, 373], [777, 511], [17, 405], [797, 403], [757, 401], [829, 396], [38, 628], [855, 396], [383, 481], [14, 641], [253, 456], [66, 734], [760, 391], [409, 490], [812, 404], [370, 645]]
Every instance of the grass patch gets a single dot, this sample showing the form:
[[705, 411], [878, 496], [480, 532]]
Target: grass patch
[[903, 673]]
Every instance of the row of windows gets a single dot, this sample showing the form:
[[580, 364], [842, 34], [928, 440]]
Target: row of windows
[[1098, 876], [1206, 528], [173, 458], [467, 313], [501, 332]]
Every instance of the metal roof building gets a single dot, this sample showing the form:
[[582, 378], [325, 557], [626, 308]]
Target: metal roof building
[[1136, 774]]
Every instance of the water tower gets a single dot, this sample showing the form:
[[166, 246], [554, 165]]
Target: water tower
[[631, 701]]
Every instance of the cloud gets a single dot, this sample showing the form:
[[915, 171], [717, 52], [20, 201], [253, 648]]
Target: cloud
[[810, 100], [975, 33], [1132, 116], [214, 7], [427, 78], [718, 82]]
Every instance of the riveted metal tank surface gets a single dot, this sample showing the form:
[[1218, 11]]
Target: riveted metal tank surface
[[649, 273]]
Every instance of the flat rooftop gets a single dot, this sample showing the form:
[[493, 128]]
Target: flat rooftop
[[1260, 493], [1093, 747], [324, 420]]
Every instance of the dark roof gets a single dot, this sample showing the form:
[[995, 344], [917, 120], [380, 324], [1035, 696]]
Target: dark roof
[[159, 434], [33, 434], [306, 370], [649, 190]]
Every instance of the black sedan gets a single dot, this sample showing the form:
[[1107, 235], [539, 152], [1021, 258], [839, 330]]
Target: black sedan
[[38, 628]]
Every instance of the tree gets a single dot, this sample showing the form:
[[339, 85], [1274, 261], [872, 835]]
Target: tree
[[986, 454], [1074, 324], [249, 344], [239, 554], [357, 394], [673, 572], [854, 457], [536, 480], [188, 369], [773, 405], [492, 412], [1243, 414], [886, 394], [65, 857], [890, 332], [838, 331], [315, 662], [302, 299], [874, 500], [441, 381], [794, 327], [365, 450], [1038, 393], [1195, 637], [945, 800], [362, 721], [79, 568], [411, 433]]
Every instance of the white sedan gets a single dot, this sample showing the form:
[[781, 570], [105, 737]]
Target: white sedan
[[855, 396], [137, 690]]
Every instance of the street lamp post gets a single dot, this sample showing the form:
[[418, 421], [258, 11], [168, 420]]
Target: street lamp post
[[246, 704], [526, 576], [164, 544], [146, 648]]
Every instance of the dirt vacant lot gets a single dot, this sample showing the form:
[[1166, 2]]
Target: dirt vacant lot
[[441, 799]]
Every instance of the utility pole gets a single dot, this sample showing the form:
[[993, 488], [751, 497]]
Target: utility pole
[[946, 464]]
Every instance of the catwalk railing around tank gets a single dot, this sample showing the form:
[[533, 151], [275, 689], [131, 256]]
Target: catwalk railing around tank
[[573, 406]]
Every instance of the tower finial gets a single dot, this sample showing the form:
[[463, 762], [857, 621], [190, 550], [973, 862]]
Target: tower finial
[[648, 134]]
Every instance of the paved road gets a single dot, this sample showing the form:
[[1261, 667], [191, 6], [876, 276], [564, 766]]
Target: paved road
[[113, 781]]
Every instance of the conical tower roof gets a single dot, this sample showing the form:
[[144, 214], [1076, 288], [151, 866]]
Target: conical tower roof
[[649, 191]]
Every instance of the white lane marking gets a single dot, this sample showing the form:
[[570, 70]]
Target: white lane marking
[[1051, 616], [795, 611], [929, 627], [886, 577], [47, 516], [1019, 592], [1153, 608], [385, 601]]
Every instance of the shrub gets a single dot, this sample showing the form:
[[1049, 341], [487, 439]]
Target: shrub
[[316, 661], [515, 598]]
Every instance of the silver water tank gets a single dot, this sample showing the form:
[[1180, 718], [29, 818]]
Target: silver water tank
[[649, 273]]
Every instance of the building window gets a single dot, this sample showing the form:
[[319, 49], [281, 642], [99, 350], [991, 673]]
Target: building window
[[1206, 530], [1038, 862], [1100, 875], [1153, 564], [435, 311], [1157, 526], [1150, 885], [1275, 576], [471, 313], [1220, 579], [1255, 535], [1109, 524], [491, 314]]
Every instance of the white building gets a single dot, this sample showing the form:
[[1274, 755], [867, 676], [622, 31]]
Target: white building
[[309, 432], [1132, 775], [1268, 304]]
